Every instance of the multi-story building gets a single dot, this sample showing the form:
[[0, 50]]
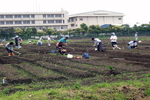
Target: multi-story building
[[58, 20], [99, 17], [39, 20]]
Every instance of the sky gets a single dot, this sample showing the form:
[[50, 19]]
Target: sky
[[135, 11]]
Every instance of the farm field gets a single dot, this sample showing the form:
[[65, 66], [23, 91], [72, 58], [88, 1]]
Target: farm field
[[38, 66]]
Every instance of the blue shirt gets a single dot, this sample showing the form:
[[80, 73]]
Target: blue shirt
[[63, 40]]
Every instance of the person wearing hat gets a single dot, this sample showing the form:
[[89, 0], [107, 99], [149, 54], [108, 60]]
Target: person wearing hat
[[9, 48], [98, 44], [113, 39]]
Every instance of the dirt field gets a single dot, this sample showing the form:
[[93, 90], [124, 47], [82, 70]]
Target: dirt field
[[38, 64]]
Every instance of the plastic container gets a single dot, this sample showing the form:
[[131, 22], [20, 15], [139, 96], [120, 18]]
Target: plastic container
[[69, 56]]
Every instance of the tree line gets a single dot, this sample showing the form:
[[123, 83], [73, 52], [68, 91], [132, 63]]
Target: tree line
[[84, 30]]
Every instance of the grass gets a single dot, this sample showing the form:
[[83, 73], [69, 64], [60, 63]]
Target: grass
[[104, 91], [76, 91]]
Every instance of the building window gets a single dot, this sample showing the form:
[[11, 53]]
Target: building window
[[44, 16], [119, 18], [9, 16], [9, 22], [32, 16], [71, 20], [44, 21], [1, 22], [26, 16], [58, 21], [1, 16], [58, 15], [17, 22], [50, 21], [26, 22], [72, 25], [33, 22], [17, 16], [50, 16], [81, 19], [63, 27]]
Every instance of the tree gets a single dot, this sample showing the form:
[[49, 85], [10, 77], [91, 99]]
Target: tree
[[49, 31], [28, 32], [18, 31], [9, 32], [34, 31], [84, 27], [40, 33]]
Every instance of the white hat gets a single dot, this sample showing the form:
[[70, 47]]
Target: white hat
[[16, 35], [113, 33]]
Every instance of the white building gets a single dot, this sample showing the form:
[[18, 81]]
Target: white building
[[99, 17], [39, 20], [58, 20]]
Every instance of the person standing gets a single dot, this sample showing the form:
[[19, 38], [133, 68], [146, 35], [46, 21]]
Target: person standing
[[98, 44], [136, 36], [113, 39], [49, 40], [9, 48]]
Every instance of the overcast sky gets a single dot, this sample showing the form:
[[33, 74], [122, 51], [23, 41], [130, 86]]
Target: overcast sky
[[134, 10]]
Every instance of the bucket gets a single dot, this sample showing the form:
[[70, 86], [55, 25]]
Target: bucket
[[69, 56]]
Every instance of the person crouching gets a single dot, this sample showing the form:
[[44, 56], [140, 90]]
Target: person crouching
[[98, 44], [132, 44], [9, 48]]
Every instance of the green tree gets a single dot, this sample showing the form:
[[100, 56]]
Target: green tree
[[34, 31], [18, 31], [49, 31], [9, 32], [41, 32], [28, 31], [84, 27]]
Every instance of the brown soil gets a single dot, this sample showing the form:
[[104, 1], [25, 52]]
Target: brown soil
[[96, 69]]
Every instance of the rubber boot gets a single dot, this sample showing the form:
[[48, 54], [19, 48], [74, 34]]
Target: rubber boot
[[9, 54], [12, 54]]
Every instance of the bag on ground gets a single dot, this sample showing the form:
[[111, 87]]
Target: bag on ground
[[86, 55]]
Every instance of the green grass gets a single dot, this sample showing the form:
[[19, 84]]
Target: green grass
[[104, 91]]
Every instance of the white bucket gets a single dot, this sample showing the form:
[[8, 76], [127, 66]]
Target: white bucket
[[69, 56]]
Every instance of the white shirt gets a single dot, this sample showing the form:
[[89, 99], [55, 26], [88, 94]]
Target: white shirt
[[48, 38], [136, 35], [113, 38], [10, 47], [132, 43], [96, 41]]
